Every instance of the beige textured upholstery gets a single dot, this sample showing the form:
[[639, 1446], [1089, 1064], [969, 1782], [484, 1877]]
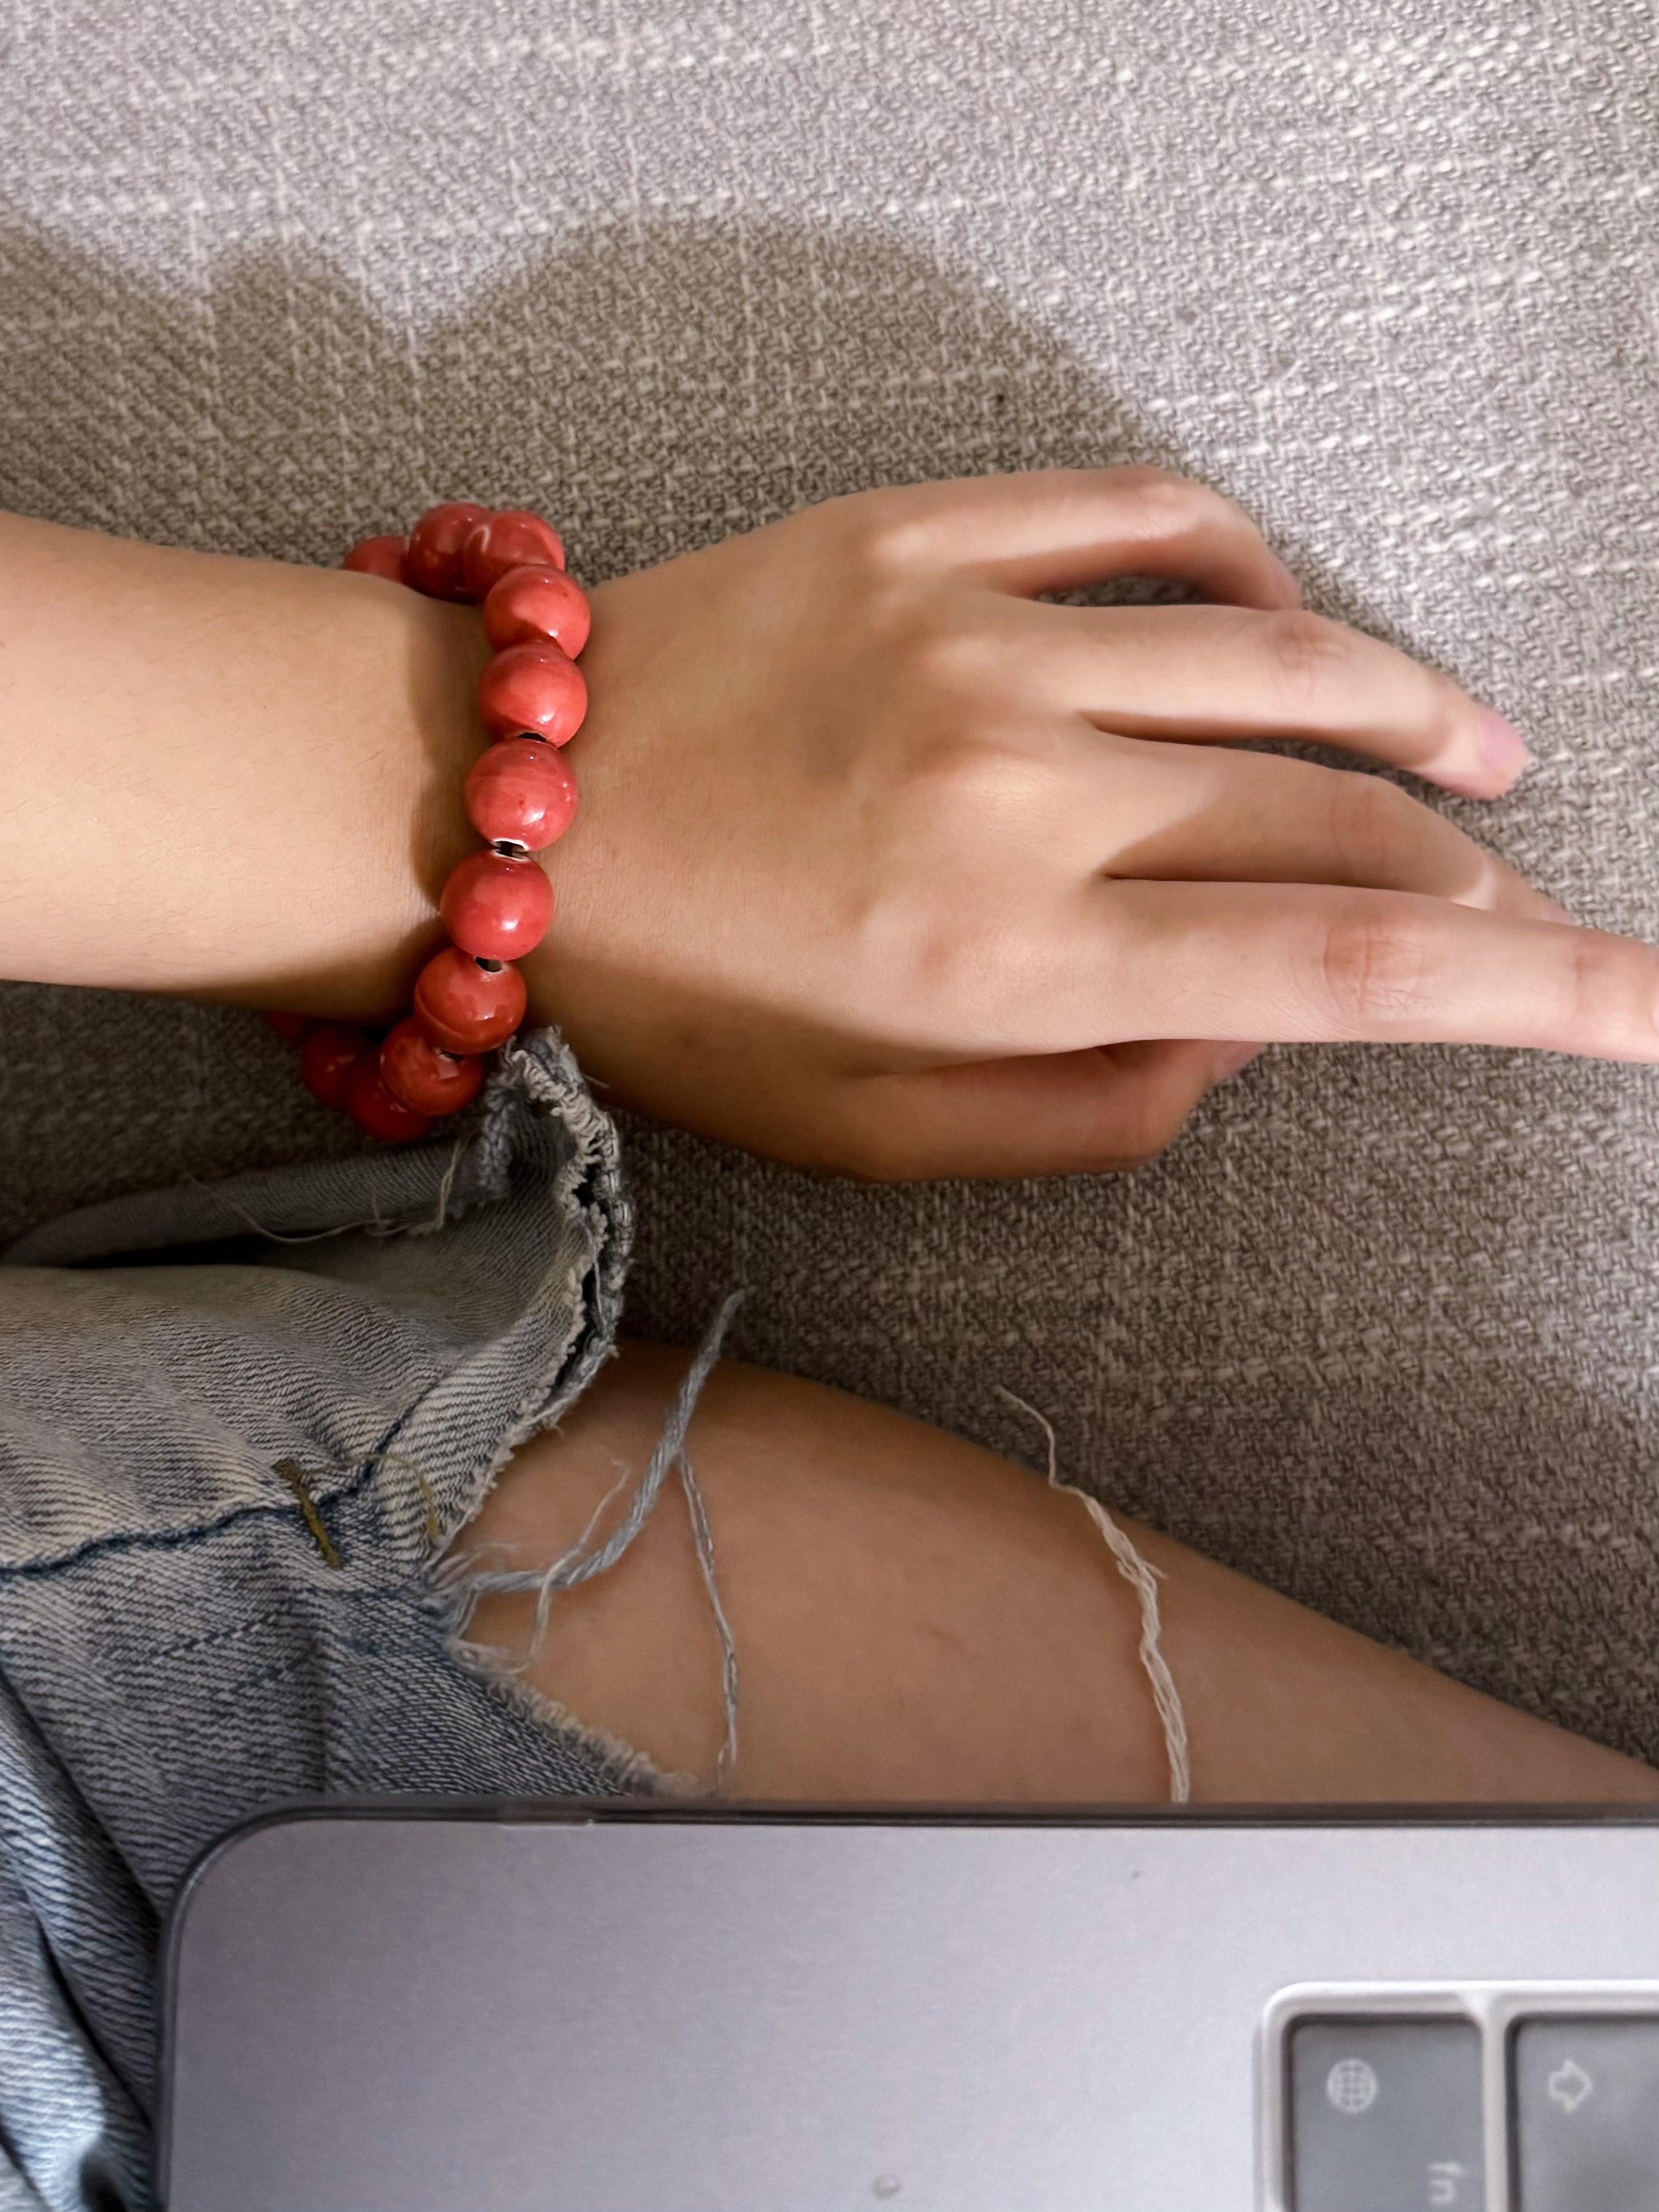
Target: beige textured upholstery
[[1384, 1328]]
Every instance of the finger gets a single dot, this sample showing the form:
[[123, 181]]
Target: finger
[[1297, 962], [1079, 1113], [1185, 813], [1062, 529], [1203, 674]]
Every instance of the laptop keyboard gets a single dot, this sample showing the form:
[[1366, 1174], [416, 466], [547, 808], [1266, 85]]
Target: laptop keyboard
[[1387, 2113], [1587, 2113], [1383, 2111]]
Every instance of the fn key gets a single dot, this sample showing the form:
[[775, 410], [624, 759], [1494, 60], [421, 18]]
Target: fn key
[[1386, 2117]]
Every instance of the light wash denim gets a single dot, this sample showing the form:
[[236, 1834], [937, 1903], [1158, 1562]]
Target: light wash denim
[[238, 1425]]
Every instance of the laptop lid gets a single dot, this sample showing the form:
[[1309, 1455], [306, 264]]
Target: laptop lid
[[615, 2006]]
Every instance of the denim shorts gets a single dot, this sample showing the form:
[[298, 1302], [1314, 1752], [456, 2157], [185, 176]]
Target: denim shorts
[[239, 1424]]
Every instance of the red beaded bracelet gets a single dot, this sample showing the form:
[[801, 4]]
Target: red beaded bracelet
[[521, 798]]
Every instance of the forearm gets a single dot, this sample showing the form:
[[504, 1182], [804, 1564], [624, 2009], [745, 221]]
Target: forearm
[[882, 864], [236, 779]]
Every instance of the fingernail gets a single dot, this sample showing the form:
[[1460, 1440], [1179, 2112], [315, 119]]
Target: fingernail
[[1501, 745], [1554, 913], [1231, 1058], [1292, 583]]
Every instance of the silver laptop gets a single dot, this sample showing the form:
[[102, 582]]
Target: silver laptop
[[613, 2007]]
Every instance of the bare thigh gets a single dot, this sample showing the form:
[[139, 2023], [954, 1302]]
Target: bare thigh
[[917, 1618]]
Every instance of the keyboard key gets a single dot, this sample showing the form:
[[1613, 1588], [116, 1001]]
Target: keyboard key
[[1386, 2116], [1585, 2115]]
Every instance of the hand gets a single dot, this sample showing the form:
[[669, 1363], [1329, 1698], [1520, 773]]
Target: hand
[[887, 867]]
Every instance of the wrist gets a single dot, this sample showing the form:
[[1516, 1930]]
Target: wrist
[[375, 827], [496, 900], [360, 825], [227, 778], [585, 966]]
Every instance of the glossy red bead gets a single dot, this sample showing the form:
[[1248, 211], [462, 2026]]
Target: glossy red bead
[[373, 1107], [466, 1008], [326, 1060], [378, 556], [494, 908], [519, 789], [532, 687], [511, 537], [433, 562], [424, 1077], [290, 1027], [526, 604]]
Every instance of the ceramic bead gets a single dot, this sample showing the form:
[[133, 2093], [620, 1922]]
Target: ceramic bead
[[466, 1008], [378, 556], [422, 1076], [326, 1060], [469, 997], [520, 790], [531, 605], [433, 562], [374, 1108], [496, 908], [509, 538], [532, 687]]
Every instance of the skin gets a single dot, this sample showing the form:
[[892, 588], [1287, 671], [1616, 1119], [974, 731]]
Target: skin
[[916, 1617], [884, 867]]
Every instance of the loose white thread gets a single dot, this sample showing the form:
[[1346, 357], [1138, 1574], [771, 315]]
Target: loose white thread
[[447, 1187], [375, 1224], [1142, 1578], [703, 1537]]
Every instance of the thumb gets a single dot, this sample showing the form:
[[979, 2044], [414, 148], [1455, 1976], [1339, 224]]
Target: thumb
[[1109, 1108]]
